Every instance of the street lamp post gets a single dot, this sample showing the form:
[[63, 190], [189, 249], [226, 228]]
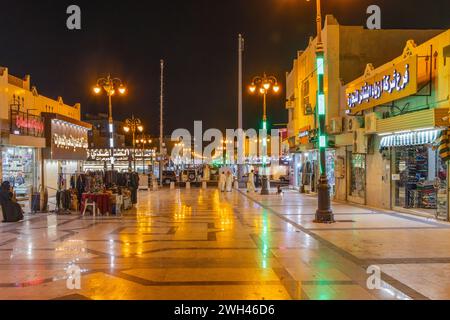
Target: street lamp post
[[145, 139], [133, 124], [110, 85], [263, 84], [324, 214], [224, 149]]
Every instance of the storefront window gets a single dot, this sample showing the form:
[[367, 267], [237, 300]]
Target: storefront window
[[358, 175], [309, 170], [421, 180], [19, 169]]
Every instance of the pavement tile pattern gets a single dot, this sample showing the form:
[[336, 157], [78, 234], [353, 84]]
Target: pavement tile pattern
[[204, 244]]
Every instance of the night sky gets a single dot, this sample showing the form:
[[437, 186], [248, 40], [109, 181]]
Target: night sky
[[196, 38]]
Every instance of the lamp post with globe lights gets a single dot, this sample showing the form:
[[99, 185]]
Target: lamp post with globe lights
[[133, 125], [110, 86], [264, 85]]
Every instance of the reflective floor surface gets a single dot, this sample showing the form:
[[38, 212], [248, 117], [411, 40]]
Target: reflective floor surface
[[203, 244]]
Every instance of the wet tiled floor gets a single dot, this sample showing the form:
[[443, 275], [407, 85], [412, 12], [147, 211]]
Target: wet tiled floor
[[203, 244]]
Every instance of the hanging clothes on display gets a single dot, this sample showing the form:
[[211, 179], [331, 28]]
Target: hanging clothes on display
[[307, 171]]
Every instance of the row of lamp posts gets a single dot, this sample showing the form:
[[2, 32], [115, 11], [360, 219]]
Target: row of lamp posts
[[111, 86], [263, 85]]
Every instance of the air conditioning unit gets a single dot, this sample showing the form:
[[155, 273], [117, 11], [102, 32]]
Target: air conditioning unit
[[289, 104], [370, 122], [335, 125], [359, 141], [353, 124], [308, 109]]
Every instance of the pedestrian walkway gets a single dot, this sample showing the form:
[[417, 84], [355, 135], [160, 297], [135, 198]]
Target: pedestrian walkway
[[204, 244], [412, 252]]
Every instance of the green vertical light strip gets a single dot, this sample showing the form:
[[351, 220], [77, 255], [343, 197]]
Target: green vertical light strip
[[321, 107], [320, 69]]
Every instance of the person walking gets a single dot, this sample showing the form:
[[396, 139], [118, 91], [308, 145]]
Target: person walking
[[251, 182], [256, 175], [222, 181], [229, 181]]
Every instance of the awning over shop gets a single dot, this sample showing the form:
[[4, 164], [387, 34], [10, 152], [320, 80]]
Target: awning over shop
[[430, 118], [410, 138]]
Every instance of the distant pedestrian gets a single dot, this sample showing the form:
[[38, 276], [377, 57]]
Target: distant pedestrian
[[229, 182], [251, 182], [279, 190], [222, 181]]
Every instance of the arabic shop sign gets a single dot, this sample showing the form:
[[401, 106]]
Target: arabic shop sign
[[69, 142], [119, 154], [380, 87], [31, 123]]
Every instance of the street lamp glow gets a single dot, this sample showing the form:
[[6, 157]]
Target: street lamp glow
[[266, 85], [252, 88], [262, 90], [140, 128], [276, 88], [97, 89], [122, 89], [126, 129]]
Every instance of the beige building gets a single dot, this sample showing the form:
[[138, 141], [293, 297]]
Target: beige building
[[347, 49], [399, 109], [40, 137]]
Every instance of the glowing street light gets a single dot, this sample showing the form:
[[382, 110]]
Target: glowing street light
[[144, 140], [264, 83], [109, 85], [133, 125]]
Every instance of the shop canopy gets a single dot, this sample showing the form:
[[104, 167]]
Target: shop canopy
[[410, 138]]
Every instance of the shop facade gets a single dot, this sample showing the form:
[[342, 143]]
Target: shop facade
[[21, 144], [399, 115], [305, 166], [66, 151], [146, 160], [419, 174]]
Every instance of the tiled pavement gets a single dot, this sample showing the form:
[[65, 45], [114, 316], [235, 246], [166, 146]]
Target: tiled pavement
[[202, 244]]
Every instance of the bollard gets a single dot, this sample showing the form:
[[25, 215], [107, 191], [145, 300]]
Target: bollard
[[172, 185], [188, 185], [204, 185]]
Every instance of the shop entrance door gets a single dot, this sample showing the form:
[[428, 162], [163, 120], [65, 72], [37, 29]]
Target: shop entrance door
[[356, 178]]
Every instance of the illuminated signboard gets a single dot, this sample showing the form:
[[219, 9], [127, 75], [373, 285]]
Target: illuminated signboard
[[68, 141], [304, 134], [26, 124], [120, 154], [380, 87], [30, 123]]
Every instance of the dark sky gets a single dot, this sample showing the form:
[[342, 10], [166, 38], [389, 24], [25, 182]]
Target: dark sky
[[197, 39]]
